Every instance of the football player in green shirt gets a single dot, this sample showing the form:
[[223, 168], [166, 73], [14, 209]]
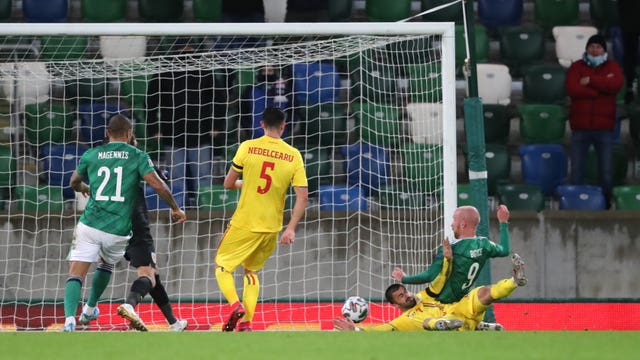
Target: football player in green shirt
[[470, 253], [114, 170]]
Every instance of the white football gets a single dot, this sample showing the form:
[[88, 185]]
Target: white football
[[355, 308]]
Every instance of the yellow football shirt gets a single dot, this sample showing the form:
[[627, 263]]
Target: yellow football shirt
[[268, 167]]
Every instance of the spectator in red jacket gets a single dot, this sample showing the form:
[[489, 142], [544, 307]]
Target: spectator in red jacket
[[592, 84]]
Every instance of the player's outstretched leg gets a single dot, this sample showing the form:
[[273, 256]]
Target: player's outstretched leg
[[127, 312], [442, 324], [518, 270], [160, 297]]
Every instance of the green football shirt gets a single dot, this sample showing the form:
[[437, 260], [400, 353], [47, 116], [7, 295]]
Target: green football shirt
[[469, 257], [114, 172]]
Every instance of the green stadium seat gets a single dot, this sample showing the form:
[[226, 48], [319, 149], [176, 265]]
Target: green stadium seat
[[379, 124], [482, 45], [544, 84], [7, 168], [542, 123], [340, 10], [422, 166], [85, 90], [425, 83], [603, 13], [134, 91], [6, 6], [521, 46], [498, 161], [449, 13], [104, 11], [376, 81], [325, 125], [318, 167], [626, 197], [550, 13], [497, 123], [207, 10], [18, 48], [401, 196], [42, 199], [464, 194], [383, 10], [48, 122], [62, 48], [161, 10], [521, 197], [217, 198], [620, 166]]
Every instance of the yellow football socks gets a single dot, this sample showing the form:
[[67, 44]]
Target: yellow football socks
[[503, 288], [250, 295], [227, 285]]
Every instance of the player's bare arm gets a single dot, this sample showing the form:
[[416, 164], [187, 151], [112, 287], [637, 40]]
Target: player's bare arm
[[232, 180], [289, 234], [77, 184], [163, 191]]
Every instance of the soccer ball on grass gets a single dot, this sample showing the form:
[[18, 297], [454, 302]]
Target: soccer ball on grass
[[355, 308]]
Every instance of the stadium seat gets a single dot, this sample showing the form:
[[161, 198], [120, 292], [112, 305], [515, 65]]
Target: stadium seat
[[494, 84], [498, 161], [6, 7], [521, 197], [325, 125], [340, 10], [497, 124], [42, 199], [48, 122], [32, 84], [62, 48], [521, 46], [161, 10], [374, 80], [342, 198], [603, 14], [104, 11], [133, 90], [155, 203], [448, 13], [401, 196], [315, 83], [482, 45], [123, 47], [497, 14], [78, 91], [544, 84], [317, 162], [544, 165], [580, 197], [425, 82], [6, 128], [207, 10], [7, 168], [45, 11], [620, 166], [94, 118], [464, 194], [571, 41], [542, 123], [550, 13], [426, 122], [627, 197], [58, 163], [422, 166], [379, 124], [217, 198], [367, 166], [383, 10]]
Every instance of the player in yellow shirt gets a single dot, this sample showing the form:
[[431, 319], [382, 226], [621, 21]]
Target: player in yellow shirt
[[268, 167], [422, 311]]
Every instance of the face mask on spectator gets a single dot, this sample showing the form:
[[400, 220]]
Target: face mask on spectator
[[594, 61]]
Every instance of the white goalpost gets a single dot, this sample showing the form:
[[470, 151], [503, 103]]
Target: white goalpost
[[371, 106]]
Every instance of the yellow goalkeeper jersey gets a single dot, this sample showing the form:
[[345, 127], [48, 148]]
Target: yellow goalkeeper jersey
[[268, 167]]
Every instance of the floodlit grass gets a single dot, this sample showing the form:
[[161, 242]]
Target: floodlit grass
[[325, 345]]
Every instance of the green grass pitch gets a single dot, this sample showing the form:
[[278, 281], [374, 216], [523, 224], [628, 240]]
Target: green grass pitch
[[326, 345]]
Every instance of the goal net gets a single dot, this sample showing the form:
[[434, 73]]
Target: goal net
[[371, 106]]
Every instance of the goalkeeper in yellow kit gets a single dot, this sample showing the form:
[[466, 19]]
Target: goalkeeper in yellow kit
[[268, 167], [422, 311]]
